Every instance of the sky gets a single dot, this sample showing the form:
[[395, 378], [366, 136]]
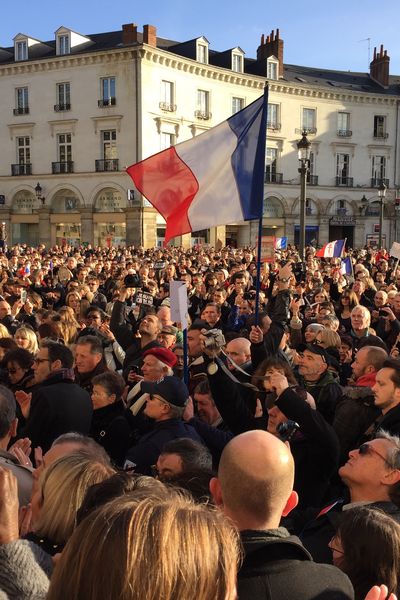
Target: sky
[[316, 33]]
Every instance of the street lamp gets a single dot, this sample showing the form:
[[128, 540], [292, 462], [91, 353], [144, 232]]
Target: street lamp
[[381, 195], [303, 147], [38, 192]]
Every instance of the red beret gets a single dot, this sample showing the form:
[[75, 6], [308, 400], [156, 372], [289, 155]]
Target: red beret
[[164, 355]]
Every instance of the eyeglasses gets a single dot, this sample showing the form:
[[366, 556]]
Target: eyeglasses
[[318, 342], [40, 360], [333, 548], [11, 371], [366, 449]]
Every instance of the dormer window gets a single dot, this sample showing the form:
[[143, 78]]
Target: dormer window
[[63, 45], [21, 50], [237, 63], [202, 53], [272, 68]]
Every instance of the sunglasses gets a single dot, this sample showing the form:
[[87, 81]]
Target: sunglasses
[[366, 449]]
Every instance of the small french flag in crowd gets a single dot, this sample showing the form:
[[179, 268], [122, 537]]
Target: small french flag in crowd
[[281, 243], [346, 267], [216, 178], [331, 250]]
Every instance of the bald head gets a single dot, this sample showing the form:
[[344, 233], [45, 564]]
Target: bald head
[[239, 350], [255, 475]]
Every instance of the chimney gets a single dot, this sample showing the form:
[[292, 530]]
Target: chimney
[[150, 35], [129, 34], [379, 67], [271, 46]]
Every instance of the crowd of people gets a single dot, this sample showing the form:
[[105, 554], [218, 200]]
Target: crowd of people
[[266, 467]]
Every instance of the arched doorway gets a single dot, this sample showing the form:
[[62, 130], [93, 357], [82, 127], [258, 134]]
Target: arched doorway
[[24, 219], [65, 217]]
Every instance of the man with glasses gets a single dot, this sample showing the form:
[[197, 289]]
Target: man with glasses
[[371, 476], [58, 405]]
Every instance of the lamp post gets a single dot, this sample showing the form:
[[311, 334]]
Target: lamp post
[[303, 147], [381, 196], [38, 192]]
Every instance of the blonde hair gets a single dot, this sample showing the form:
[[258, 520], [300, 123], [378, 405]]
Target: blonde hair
[[30, 336], [67, 324], [4, 333], [330, 338], [62, 487], [153, 548]]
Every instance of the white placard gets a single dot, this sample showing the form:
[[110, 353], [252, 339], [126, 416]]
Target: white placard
[[179, 303], [395, 250]]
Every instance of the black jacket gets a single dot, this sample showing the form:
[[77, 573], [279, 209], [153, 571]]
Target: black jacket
[[390, 422], [58, 406], [110, 428], [277, 567]]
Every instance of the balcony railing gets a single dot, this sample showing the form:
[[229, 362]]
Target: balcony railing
[[273, 126], [375, 183], [344, 181], [62, 107], [312, 179], [341, 212], [344, 133], [308, 130], [381, 135], [109, 164], [21, 110], [107, 102], [202, 114], [272, 177], [62, 167], [167, 106], [21, 169]]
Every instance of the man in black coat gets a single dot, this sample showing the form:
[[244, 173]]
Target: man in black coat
[[254, 488], [387, 398], [165, 405], [58, 405]]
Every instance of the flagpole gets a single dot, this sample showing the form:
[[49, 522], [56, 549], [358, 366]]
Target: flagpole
[[185, 358], [260, 222]]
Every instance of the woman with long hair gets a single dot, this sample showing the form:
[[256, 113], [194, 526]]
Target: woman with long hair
[[26, 338], [348, 300]]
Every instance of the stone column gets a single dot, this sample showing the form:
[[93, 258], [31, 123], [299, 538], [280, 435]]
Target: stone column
[[5, 218], [289, 230], [87, 229], [44, 226], [133, 216], [149, 227], [359, 233], [323, 231], [217, 236]]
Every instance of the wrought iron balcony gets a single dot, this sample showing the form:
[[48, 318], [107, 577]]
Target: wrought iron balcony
[[309, 211], [21, 169], [62, 167], [167, 106], [107, 102], [109, 164], [272, 177], [202, 114], [344, 133], [375, 183], [341, 212], [273, 126], [308, 130], [381, 135], [21, 110], [344, 181], [62, 107], [312, 179]]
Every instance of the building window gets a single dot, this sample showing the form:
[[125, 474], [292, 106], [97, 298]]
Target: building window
[[309, 119], [237, 104], [23, 150], [167, 96], [342, 169], [203, 105], [107, 90], [237, 63], [378, 171], [343, 124], [21, 50], [63, 92], [273, 116], [272, 69], [271, 159], [380, 127], [109, 144], [166, 140], [21, 101], [202, 53], [64, 147], [63, 44]]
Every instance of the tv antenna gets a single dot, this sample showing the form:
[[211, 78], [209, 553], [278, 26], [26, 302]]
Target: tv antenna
[[368, 39]]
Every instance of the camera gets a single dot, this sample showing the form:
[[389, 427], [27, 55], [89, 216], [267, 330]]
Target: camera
[[215, 339], [383, 313], [287, 430]]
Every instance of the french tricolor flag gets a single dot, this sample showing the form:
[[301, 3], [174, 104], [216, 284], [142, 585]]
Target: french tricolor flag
[[332, 249], [213, 179]]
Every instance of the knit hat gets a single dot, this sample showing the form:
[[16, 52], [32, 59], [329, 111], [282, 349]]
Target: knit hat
[[163, 354]]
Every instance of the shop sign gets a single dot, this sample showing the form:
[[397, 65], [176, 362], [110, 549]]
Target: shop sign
[[343, 220], [24, 204], [110, 202]]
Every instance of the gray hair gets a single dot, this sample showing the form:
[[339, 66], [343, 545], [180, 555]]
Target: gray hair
[[393, 462]]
